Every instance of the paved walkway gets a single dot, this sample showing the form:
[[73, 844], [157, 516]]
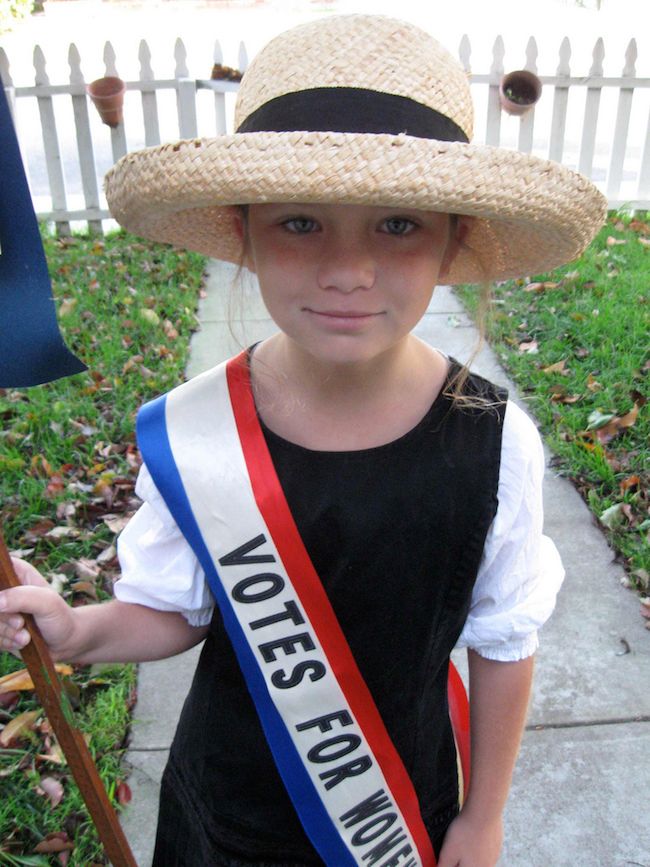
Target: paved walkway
[[581, 789]]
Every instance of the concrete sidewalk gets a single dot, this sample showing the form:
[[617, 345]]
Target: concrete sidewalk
[[582, 785]]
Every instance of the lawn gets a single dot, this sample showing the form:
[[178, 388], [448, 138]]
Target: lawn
[[577, 344]]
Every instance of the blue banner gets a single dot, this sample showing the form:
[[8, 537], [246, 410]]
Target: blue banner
[[32, 350]]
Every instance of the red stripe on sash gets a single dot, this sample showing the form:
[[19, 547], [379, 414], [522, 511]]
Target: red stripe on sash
[[459, 715], [272, 503]]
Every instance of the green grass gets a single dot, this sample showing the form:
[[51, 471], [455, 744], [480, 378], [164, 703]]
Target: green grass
[[576, 343], [68, 464]]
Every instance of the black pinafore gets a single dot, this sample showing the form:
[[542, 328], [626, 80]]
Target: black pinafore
[[396, 535]]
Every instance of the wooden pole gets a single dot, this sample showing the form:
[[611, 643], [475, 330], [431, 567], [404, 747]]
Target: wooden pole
[[59, 712]]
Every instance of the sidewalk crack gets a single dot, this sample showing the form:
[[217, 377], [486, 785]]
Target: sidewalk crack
[[537, 727]]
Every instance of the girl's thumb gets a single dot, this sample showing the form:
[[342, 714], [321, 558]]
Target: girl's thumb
[[26, 573]]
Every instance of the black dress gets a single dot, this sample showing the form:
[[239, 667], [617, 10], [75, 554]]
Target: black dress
[[396, 534]]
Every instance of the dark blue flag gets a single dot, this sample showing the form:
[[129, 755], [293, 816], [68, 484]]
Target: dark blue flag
[[32, 350]]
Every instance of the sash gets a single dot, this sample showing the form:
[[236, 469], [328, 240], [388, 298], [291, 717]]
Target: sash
[[342, 772]]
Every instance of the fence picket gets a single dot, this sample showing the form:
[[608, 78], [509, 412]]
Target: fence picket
[[219, 96], [592, 106], [118, 133], [493, 126], [644, 174], [6, 82], [51, 145], [148, 96], [242, 55], [615, 174], [527, 121], [560, 102], [465, 53], [84, 140], [185, 93]]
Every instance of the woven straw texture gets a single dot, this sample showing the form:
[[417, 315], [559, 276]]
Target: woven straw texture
[[530, 214], [360, 51]]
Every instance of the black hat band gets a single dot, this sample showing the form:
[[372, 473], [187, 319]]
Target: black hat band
[[351, 109]]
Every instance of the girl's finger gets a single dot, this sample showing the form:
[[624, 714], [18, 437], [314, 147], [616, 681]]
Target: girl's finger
[[39, 601], [15, 641]]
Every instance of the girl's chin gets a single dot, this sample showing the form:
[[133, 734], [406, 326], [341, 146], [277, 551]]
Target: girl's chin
[[343, 350]]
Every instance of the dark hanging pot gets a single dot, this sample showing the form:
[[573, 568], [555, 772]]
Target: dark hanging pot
[[519, 91], [107, 95]]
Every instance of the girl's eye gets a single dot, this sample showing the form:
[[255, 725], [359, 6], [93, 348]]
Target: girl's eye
[[398, 226], [300, 225]]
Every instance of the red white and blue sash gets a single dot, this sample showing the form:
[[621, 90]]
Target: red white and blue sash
[[205, 449]]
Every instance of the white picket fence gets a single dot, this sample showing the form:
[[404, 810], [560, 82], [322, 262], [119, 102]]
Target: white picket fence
[[597, 124]]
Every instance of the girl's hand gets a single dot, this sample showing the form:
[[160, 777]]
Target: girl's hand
[[470, 843], [53, 615]]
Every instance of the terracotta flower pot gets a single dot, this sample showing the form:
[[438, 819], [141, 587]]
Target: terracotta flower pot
[[108, 96], [519, 91]]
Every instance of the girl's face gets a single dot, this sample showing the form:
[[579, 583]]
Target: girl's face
[[346, 283]]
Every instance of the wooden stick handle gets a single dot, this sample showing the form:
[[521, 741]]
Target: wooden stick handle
[[59, 712]]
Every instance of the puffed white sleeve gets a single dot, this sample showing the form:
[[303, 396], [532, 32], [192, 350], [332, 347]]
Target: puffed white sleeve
[[520, 572], [158, 567]]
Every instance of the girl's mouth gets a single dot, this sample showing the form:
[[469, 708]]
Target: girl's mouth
[[343, 314], [343, 321]]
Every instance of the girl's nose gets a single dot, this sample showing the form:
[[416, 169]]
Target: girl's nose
[[346, 265]]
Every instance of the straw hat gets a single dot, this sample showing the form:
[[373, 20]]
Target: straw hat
[[359, 109]]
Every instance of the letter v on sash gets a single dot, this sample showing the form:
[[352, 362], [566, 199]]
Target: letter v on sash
[[240, 556]]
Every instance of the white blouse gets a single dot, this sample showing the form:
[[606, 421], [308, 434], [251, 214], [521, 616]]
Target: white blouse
[[514, 594]]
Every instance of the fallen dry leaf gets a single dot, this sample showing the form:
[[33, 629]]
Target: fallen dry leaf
[[57, 842], [617, 425], [7, 699], [85, 587], [612, 516], [540, 287], [626, 508], [561, 396], [54, 754], [593, 384], [116, 523], [62, 532], [18, 726], [170, 332], [150, 315], [629, 483], [86, 569], [603, 427], [52, 789], [558, 367], [123, 793], [107, 554], [598, 419], [22, 680]]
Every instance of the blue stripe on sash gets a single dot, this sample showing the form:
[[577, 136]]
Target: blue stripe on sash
[[157, 454]]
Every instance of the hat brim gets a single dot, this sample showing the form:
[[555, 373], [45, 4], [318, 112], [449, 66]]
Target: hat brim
[[530, 214]]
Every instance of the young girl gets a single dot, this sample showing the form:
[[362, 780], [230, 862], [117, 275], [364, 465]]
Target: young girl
[[356, 502]]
